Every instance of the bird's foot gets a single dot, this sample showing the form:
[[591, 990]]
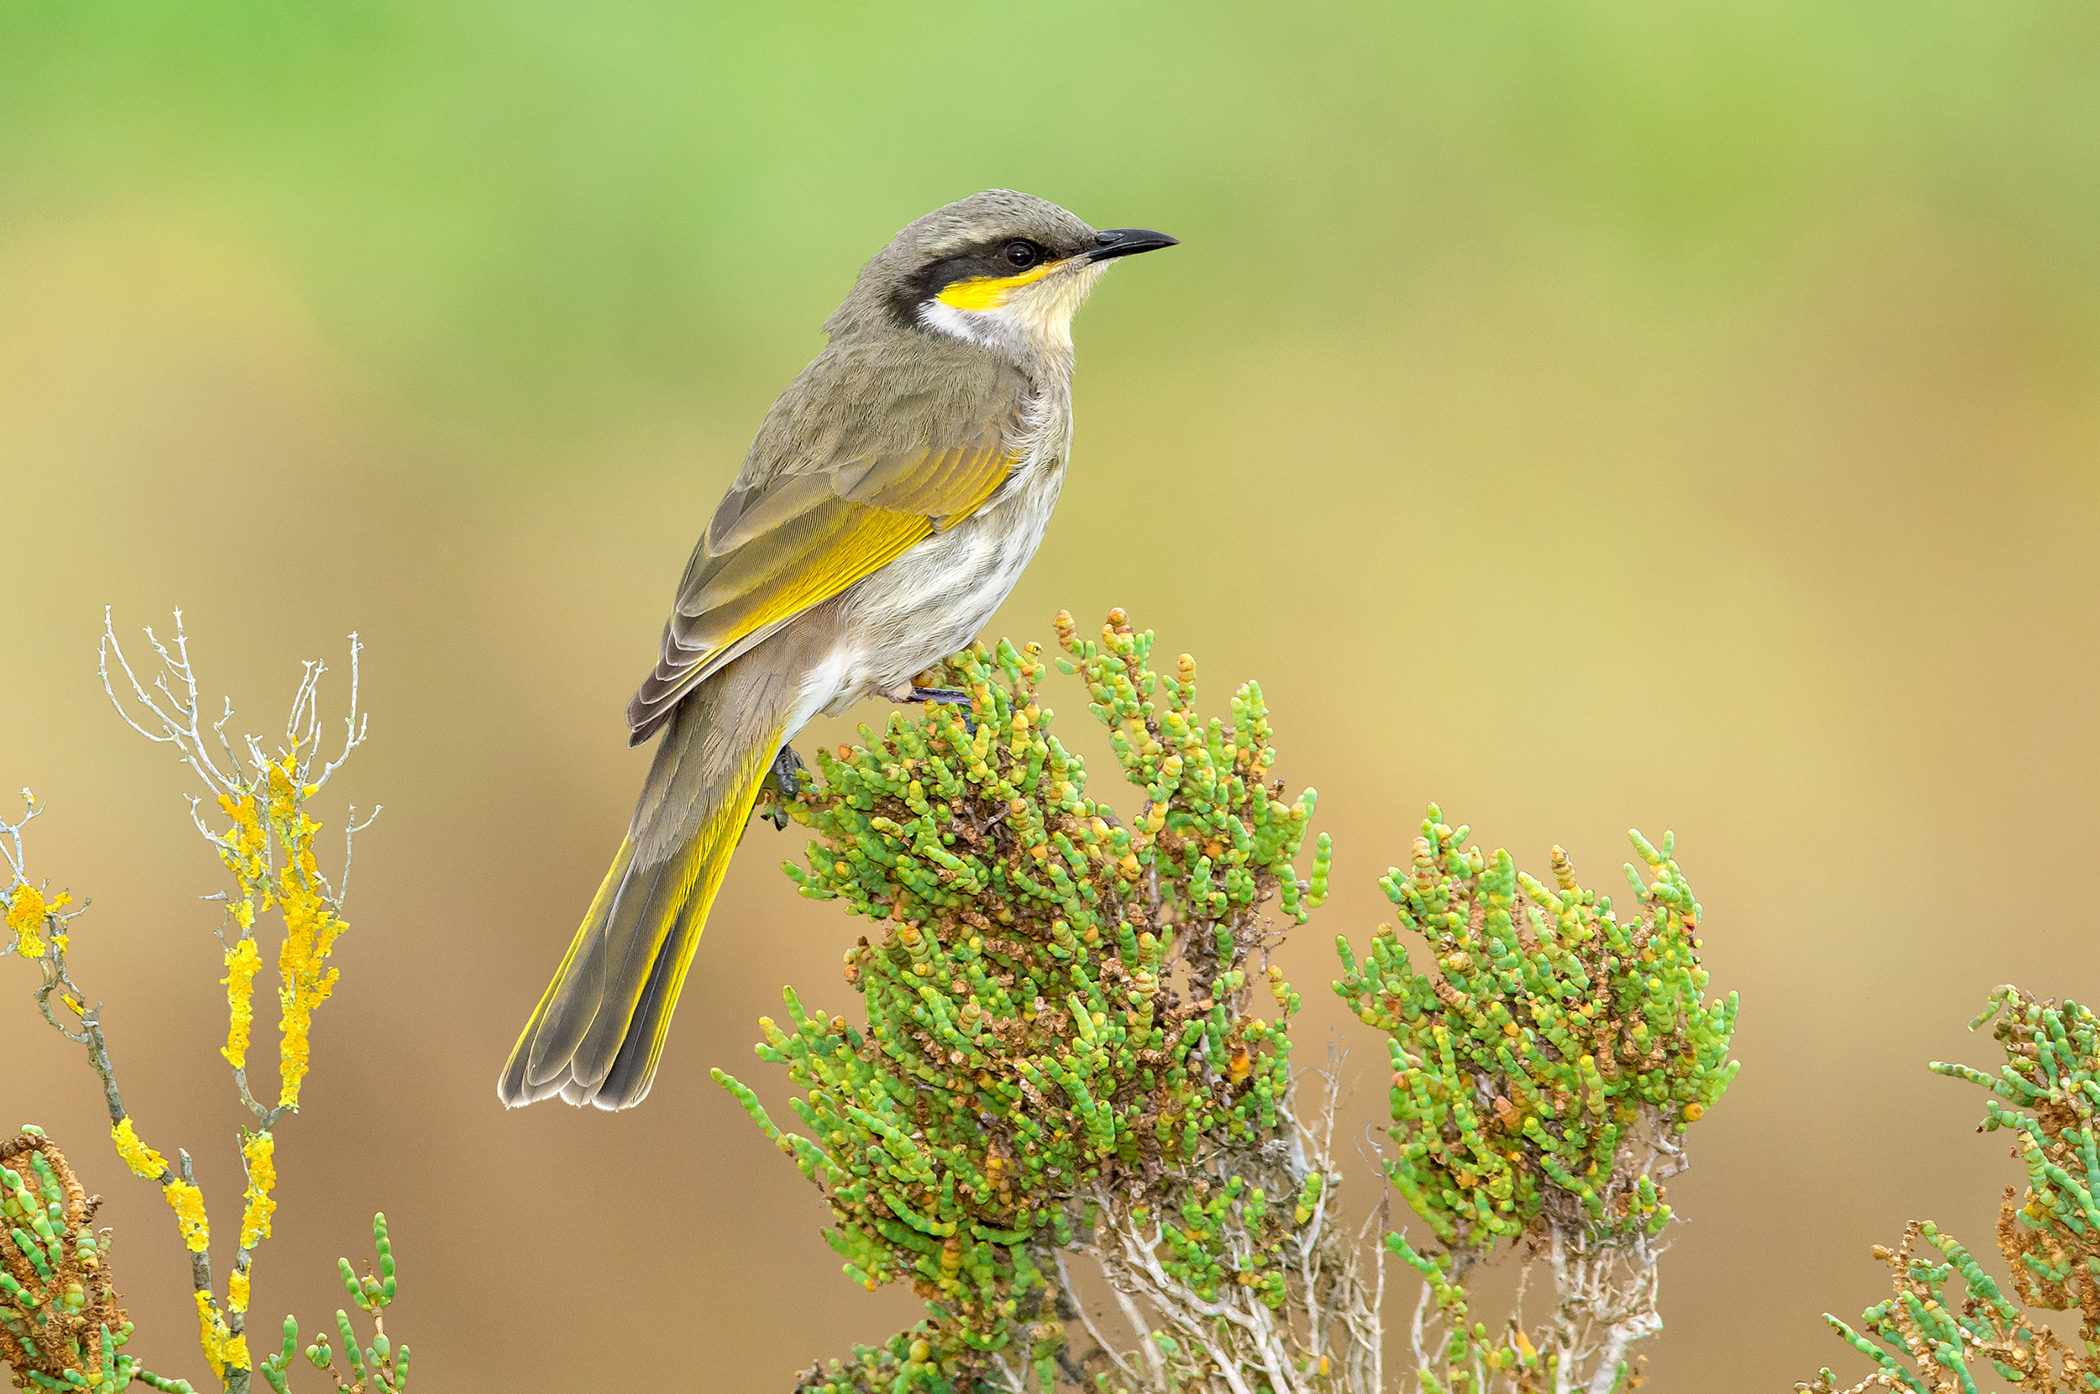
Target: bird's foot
[[784, 779], [938, 696], [946, 696]]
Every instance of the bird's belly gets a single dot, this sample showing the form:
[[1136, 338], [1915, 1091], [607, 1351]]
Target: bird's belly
[[936, 597]]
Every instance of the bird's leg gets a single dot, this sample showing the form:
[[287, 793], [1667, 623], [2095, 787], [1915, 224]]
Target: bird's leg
[[785, 780]]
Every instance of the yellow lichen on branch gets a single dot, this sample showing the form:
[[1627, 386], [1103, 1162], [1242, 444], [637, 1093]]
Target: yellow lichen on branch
[[26, 912], [258, 1151], [188, 1204], [222, 1349], [275, 805], [245, 852], [266, 844], [242, 961], [310, 924], [142, 1160], [25, 916], [310, 930]]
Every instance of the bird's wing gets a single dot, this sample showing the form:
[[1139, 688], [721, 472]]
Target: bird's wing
[[775, 549]]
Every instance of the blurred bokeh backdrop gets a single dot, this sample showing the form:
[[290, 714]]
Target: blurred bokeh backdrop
[[1659, 415]]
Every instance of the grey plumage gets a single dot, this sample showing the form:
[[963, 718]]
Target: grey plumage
[[885, 508]]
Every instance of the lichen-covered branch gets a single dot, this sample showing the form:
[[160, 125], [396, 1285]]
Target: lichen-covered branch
[[43, 935], [267, 845]]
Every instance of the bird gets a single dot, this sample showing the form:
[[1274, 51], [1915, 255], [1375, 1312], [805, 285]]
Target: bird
[[888, 503]]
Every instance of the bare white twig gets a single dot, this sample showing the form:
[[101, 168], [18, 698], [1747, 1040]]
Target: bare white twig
[[1101, 1342], [13, 832]]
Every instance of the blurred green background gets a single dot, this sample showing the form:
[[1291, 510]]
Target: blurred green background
[[1588, 416]]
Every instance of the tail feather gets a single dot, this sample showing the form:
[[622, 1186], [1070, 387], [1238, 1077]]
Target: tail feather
[[625, 943], [598, 1033], [634, 1065], [567, 1008], [627, 1047]]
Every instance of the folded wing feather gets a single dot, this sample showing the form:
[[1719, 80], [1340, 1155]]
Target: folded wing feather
[[774, 550]]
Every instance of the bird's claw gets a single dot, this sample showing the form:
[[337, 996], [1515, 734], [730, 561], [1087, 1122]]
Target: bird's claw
[[947, 697], [784, 779]]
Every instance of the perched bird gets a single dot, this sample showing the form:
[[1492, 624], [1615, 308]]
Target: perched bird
[[888, 504]]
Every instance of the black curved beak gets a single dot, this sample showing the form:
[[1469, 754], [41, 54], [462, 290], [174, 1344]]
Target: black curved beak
[[1126, 241]]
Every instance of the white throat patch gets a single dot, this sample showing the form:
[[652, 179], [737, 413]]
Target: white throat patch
[[967, 325], [1035, 319]]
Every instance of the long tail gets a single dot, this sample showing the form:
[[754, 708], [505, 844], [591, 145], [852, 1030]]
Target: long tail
[[596, 1036]]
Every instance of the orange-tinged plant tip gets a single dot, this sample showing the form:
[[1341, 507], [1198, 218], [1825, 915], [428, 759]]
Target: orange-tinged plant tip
[[1694, 1112], [142, 1160], [188, 1204]]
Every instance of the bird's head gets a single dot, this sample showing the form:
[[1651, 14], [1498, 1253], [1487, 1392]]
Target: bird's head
[[1003, 270]]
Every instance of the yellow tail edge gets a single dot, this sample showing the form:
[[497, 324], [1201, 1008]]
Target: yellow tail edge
[[704, 863], [722, 834]]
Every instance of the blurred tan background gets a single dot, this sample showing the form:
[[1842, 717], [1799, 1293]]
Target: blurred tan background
[[1586, 416]]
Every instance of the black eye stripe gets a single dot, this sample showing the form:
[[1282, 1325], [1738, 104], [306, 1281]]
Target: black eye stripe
[[984, 260]]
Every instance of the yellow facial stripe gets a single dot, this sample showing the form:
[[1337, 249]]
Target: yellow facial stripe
[[990, 292]]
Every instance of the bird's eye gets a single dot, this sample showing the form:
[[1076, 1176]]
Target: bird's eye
[[1021, 254]]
